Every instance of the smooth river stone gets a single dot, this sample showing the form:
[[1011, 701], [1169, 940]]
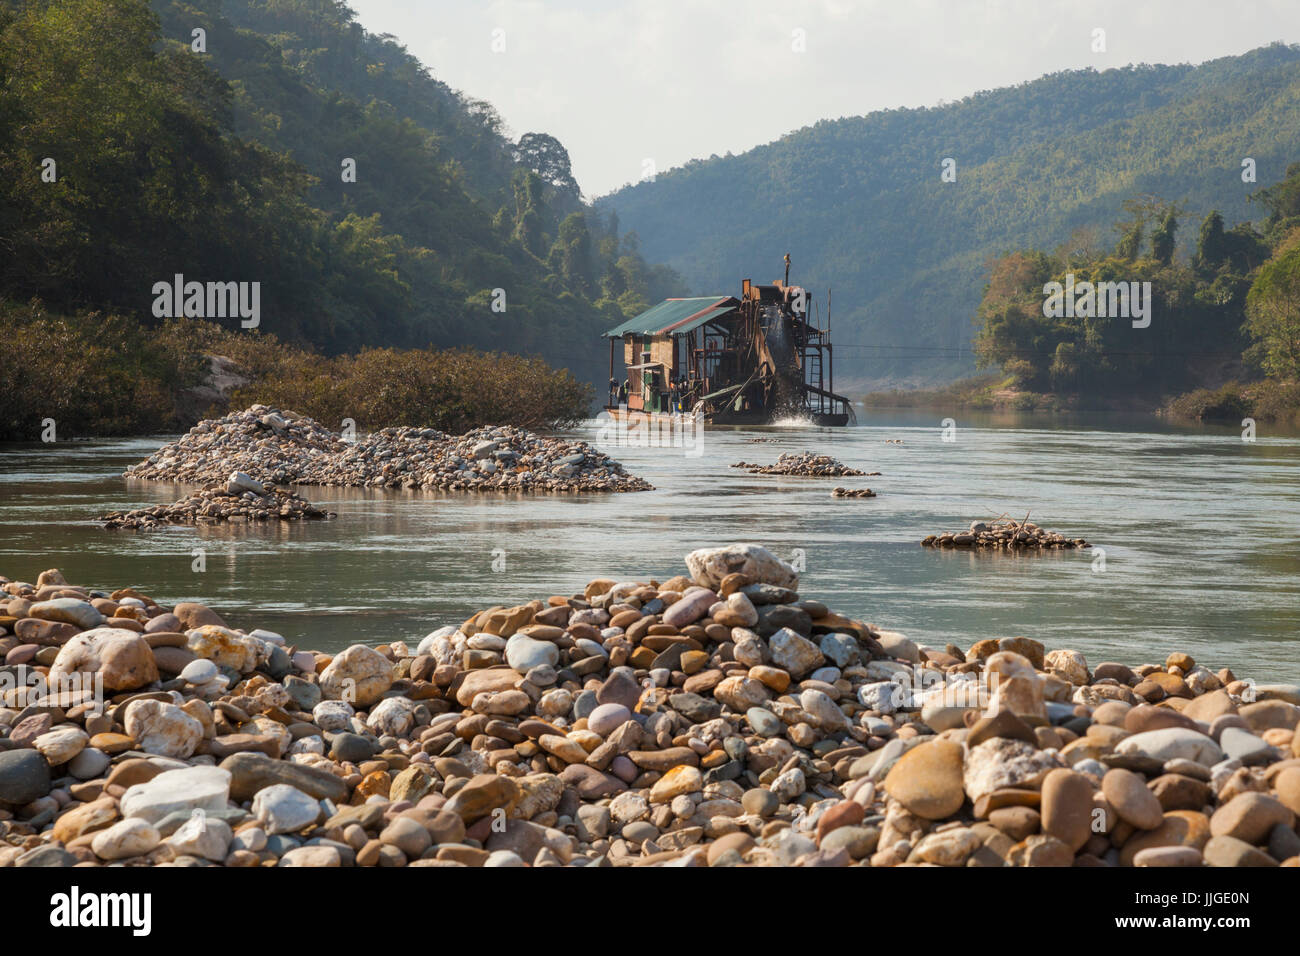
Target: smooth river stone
[[1067, 807], [1180, 828], [122, 659], [607, 718], [927, 780], [692, 606], [1127, 792], [284, 809], [1168, 856], [794, 653], [72, 611], [199, 671], [22, 654], [1239, 744], [162, 729], [126, 838], [709, 566], [24, 776], [61, 744], [252, 772], [523, 653], [1250, 817], [187, 790], [1171, 743]]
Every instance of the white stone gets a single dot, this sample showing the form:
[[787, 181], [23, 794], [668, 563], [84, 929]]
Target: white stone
[[883, 696], [239, 482], [202, 836], [359, 675], [172, 791], [441, 634], [162, 728], [199, 671], [896, 645], [126, 838], [708, 566], [281, 808], [794, 653], [61, 744], [1003, 762], [1169, 743], [523, 653], [393, 716], [824, 711]]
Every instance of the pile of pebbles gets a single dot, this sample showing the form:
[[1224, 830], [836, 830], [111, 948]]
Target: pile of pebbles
[[715, 718], [804, 465], [240, 499], [1004, 533], [852, 493], [281, 447]]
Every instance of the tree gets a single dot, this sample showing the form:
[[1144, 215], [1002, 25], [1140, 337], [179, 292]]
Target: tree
[[547, 157], [1130, 240], [530, 223], [1211, 249], [1282, 199], [1273, 313], [1163, 239], [1064, 371], [571, 253]]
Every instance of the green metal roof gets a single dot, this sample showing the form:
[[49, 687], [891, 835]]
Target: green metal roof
[[674, 316]]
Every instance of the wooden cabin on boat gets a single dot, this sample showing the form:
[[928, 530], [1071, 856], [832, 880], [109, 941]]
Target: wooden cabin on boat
[[748, 360]]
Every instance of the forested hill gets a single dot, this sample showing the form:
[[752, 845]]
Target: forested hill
[[860, 204], [127, 156]]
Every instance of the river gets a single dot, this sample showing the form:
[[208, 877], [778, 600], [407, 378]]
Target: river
[[1200, 532]]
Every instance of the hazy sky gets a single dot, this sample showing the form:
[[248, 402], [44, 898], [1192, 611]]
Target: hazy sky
[[623, 82]]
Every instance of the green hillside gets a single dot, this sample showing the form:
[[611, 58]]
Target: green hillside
[[860, 205], [226, 164]]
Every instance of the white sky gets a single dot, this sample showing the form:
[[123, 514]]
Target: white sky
[[619, 82]]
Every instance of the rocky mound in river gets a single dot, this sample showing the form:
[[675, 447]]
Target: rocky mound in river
[[282, 447], [804, 465], [1004, 533], [241, 499]]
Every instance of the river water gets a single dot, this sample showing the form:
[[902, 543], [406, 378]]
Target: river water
[[1200, 532]]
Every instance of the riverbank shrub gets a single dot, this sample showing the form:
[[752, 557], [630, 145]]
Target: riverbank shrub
[[1268, 400], [1223, 404], [104, 375], [91, 374], [453, 390]]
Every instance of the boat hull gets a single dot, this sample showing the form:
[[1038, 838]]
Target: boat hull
[[724, 417]]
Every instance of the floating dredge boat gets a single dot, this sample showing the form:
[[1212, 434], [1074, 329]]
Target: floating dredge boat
[[727, 361]]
